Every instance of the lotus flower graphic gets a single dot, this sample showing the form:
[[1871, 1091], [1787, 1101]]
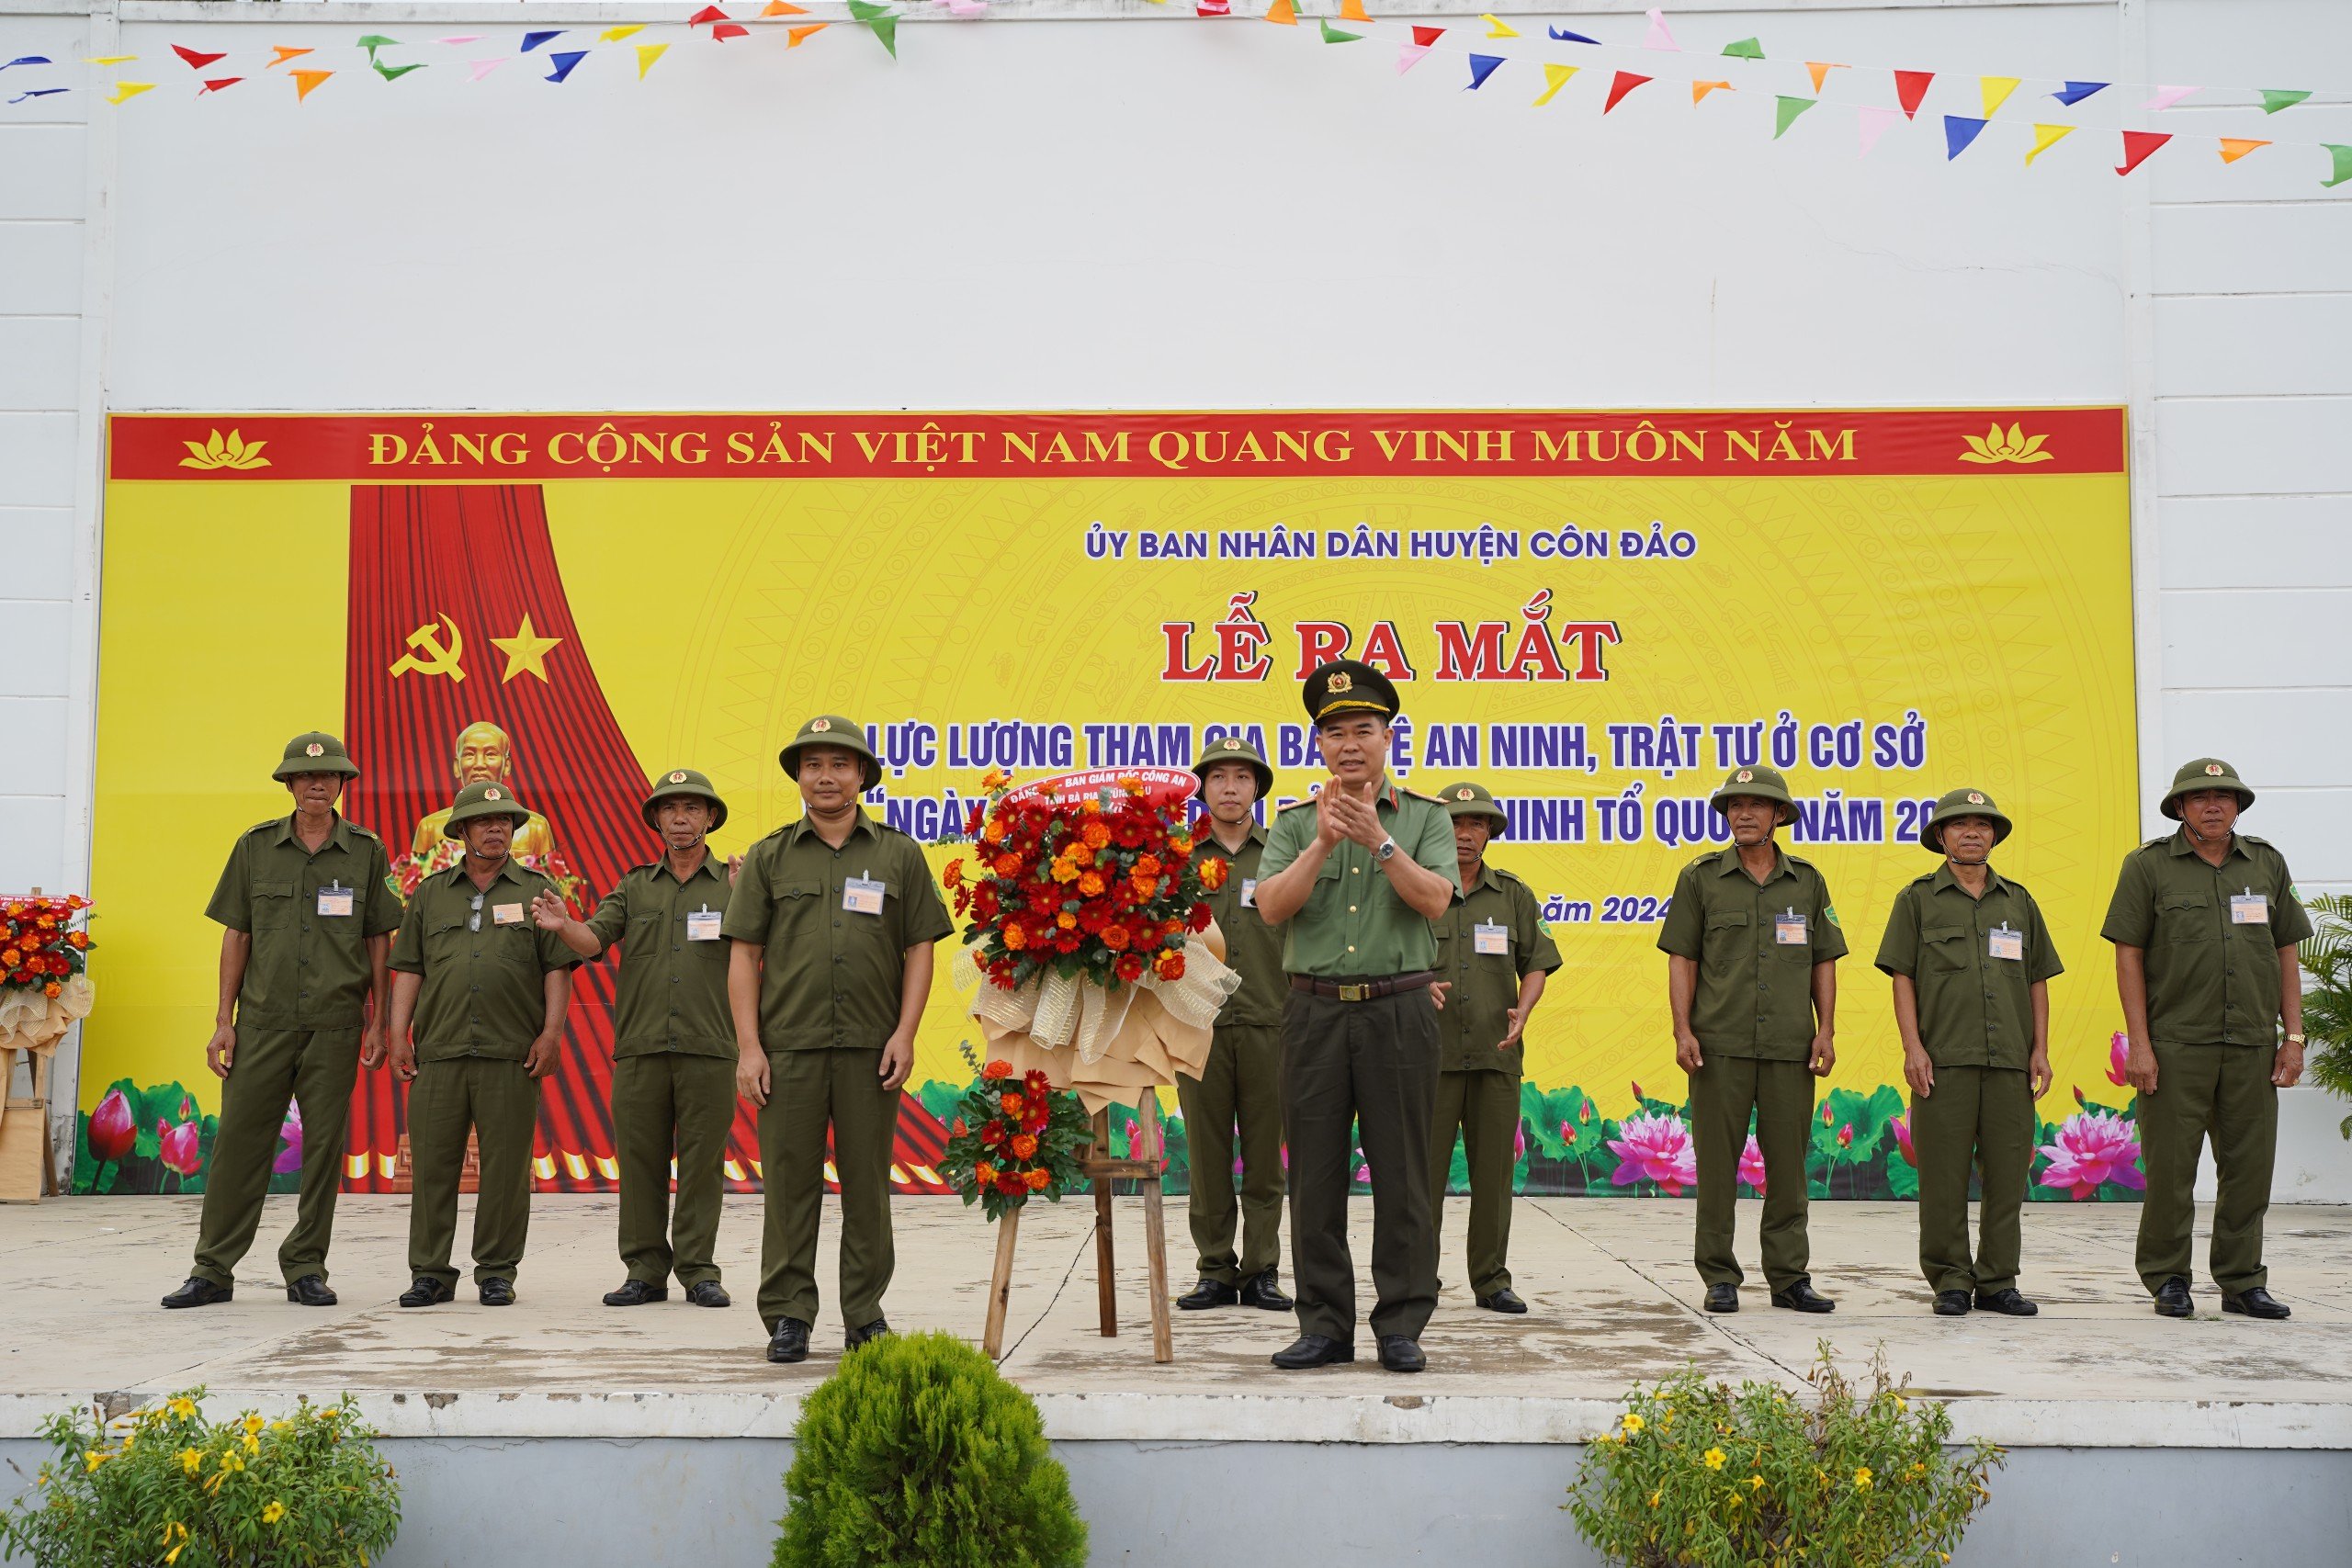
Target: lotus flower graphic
[[2094, 1146], [219, 451], [1751, 1165], [1655, 1147], [2015, 446]]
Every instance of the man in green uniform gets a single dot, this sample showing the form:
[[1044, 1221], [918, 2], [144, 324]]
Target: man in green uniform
[[476, 1022], [673, 1042], [1752, 945], [1496, 953], [1972, 959], [309, 918], [1354, 877], [2205, 925], [1242, 1082], [831, 925]]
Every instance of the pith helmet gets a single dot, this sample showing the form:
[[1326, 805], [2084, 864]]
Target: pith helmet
[[1757, 784], [1348, 686], [832, 729], [684, 781], [315, 752], [1959, 803], [1467, 800], [2205, 772], [481, 798], [1233, 749]]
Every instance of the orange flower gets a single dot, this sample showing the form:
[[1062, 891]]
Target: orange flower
[[995, 831], [1115, 937], [1078, 854], [1015, 938], [1038, 1180], [995, 779], [1147, 867], [1180, 846], [1064, 871], [1094, 834], [1008, 865], [1213, 872], [1010, 1102], [996, 1070], [52, 989], [1025, 1146], [1090, 884], [1171, 965], [1067, 921], [79, 939], [953, 876], [985, 1174]]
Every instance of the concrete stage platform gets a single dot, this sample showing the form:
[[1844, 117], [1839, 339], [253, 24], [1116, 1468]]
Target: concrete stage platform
[[659, 1434]]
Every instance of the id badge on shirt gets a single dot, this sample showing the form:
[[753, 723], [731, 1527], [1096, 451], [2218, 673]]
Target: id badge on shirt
[[1488, 937], [862, 896], [2247, 909], [1788, 929], [2007, 944], [506, 914], [1249, 892], [701, 925], [336, 900]]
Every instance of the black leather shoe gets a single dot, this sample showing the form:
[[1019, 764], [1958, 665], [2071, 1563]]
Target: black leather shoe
[[789, 1342], [2255, 1302], [872, 1331], [636, 1293], [1399, 1354], [1504, 1300], [426, 1291], [310, 1290], [1802, 1297], [2008, 1302], [708, 1293], [2172, 1299], [1313, 1350], [497, 1292], [200, 1293], [1263, 1291], [1208, 1294], [1723, 1298], [1951, 1304]]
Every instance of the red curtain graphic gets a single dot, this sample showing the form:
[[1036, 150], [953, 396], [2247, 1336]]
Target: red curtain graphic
[[463, 658]]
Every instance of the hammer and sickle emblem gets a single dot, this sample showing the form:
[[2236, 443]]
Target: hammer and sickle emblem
[[430, 655]]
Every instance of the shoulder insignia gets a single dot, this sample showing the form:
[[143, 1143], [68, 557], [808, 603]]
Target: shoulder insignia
[[2251, 839], [1281, 810], [363, 832], [1500, 874]]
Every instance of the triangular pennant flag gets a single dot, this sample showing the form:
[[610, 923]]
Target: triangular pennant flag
[[282, 53], [38, 93], [1409, 55], [2045, 137], [38, 60], [1959, 132], [646, 53], [482, 68], [2139, 146], [1425, 37], [877, 21], [199, 62], [2167, 96], [371, 42], [1660, 36], [799, 36], [533, 40], [1497, 26], [563, 61], [1745, 49], [1481, 67], [1699, 90], [616, 35], [1562, 35], [1352, 11], [306, 81], [2342, 158], [2277, 99], [1821, 70], [119, 59], [1622, 84], [1555, 78], [1872, 120], [1281, 13], [726, 30], [782, 8], [1214, 8], [1911, 89], [2236, 147], [216, 84], [2073, 93], [1333, 35], [707, 14], [394, 72], [1996, 91], [126, 90], [1786, 111]]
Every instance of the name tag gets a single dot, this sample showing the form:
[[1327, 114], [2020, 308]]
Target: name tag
[[506, 914], [701, 925], [2248, 908], [1491, 939], [2007, 944], [862, 896], [1249, 892], [335, 900], [1789, 930]]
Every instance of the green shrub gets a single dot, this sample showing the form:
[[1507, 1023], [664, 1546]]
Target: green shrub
[[918, 1455], [166, 1487], [1699, 1474]]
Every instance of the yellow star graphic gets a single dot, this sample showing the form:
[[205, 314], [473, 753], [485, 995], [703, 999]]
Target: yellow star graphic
[[526, 652]]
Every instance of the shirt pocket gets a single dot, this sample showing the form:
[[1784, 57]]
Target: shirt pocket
[[2185, 917], [795, 909], [446, 941], [273, 906], [1943, 950], [1728, 936]]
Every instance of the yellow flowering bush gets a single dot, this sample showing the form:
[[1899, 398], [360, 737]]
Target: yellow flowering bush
[[1699, 1474], [163, 1487]]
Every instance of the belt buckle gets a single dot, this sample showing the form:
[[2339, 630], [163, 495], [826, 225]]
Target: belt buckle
[[1355, 993]]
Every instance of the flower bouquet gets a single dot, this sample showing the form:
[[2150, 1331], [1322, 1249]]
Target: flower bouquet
[[1013, 1137], [43, 987]]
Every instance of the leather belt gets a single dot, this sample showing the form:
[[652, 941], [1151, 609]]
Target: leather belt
[[1362, 991]]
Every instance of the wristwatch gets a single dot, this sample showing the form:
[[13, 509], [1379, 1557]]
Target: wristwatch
[[1386, 851], [2296, 1041]]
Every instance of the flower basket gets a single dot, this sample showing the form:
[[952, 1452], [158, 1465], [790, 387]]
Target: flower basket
[[44, 990]]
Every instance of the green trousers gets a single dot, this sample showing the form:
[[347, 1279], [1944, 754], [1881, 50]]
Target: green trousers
[[670, 1106], [808, 1090], [1977, 1117], [310, 1068], [1485, 1107], [1240, 1085], [2224, 1091], [1370, 1067], [500, 1104], [1780, 1094]]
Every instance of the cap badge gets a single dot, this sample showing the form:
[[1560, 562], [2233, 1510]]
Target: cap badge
[[1465, 795], [1341, 681], [2214, 769], [1744, 776], [1974, 798], [820, 724], [677, 778], [1233, 743], [315, 750], [491, 794]]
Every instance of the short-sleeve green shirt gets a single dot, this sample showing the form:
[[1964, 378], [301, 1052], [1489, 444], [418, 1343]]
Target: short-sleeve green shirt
[[1975, 1007], [673, 987], [1353, 926], [1252, 947], [1485, 984], [1755, 992], [829, 975], [2211, 980], [483, 994], [306, 970]]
